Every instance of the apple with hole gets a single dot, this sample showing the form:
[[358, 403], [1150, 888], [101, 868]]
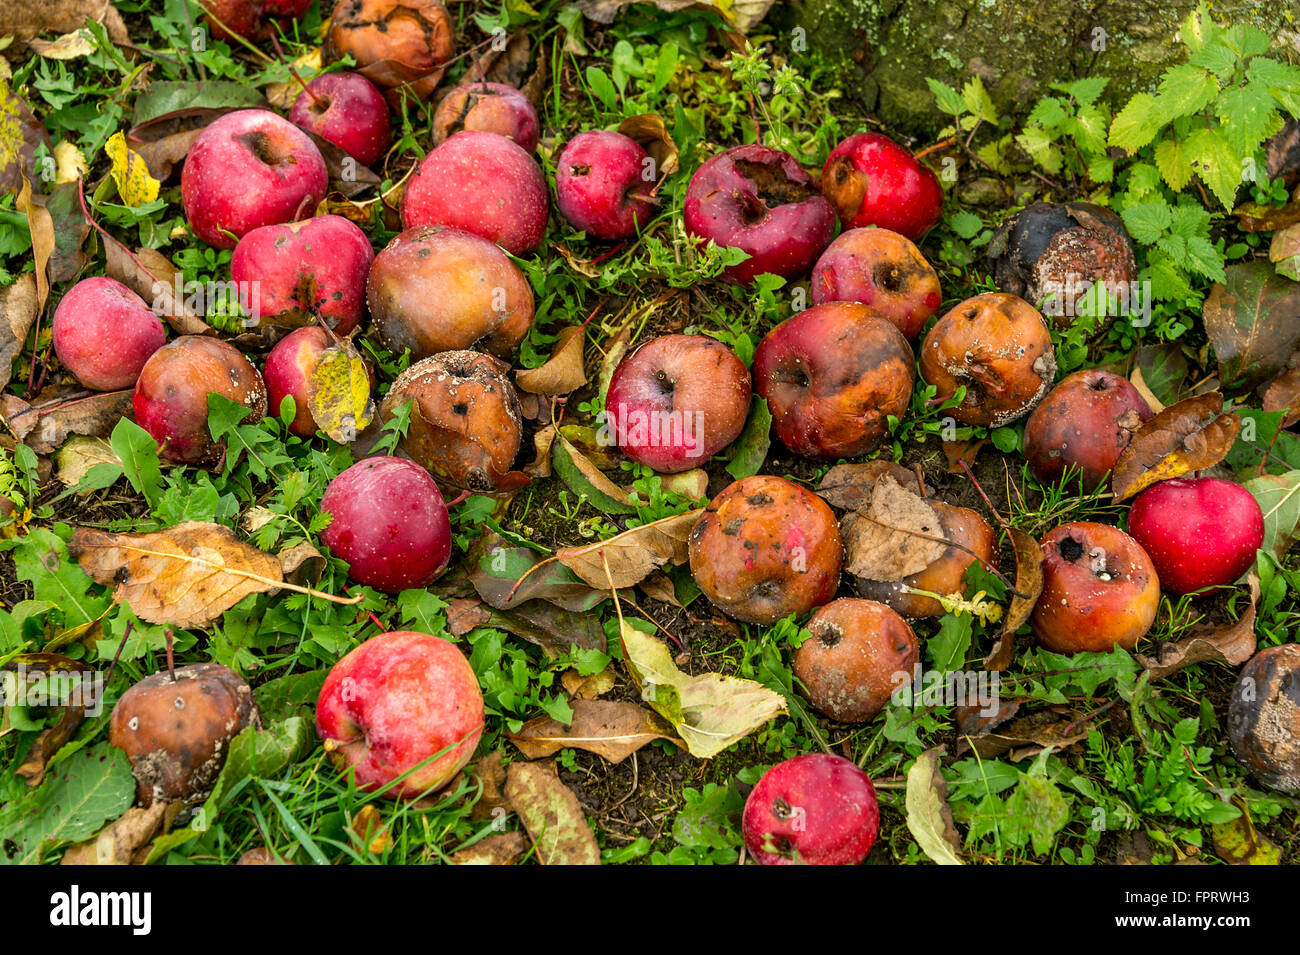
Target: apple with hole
[[297, 272], [104, 333], [482, 183], [602, 184], [1264, 717], [254, 20], [817, 809], [766, 548], [171, 396], [882, 269], [761, 201], [487, 108], [176, 729], [872, 180], [848, 666], [1200, 532], [247, 169], [395, 702], [389, 523], [1100, 590], [400, 45], [1085, 422], [832, 376], [466, 425], [347, 110], [676, 401], [434, 289]]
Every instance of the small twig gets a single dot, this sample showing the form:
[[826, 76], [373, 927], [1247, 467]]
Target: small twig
[[171, 663], [320, 103], [993, 510]]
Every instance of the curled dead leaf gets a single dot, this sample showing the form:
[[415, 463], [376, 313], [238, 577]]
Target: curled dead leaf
[[628, 558], [611, 729], [651, 133], [1189, 435], [929, 817], [563, 372], [851, 486], [1232, 644], [898, 535], [1029, 584], [18, 311]]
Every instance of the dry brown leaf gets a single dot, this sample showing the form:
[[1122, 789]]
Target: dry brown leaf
[[1233, 644], [1030, 735], [542, 441], [1252, 321], [1282, 393], [18, 311], [552, 815], [612, 729], [850, 486], [587, 687], [466, 613], [659, 587], [628, 558], [1189, 435], [897, 536], [39, 667], [616, 349], [184, 576], [302, 564], [368, 830], [26, 20], [563, 371], [41, 226], [45, 427], [1138, 381], [504, 848], [152, 276], [1029, 582], [118, 843], [506, 65], [490, 774], [692, 484], [651, 132], [958, 451]]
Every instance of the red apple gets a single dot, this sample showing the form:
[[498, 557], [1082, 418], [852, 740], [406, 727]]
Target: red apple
[[489, 108], [288, 370], [817, 809], [390, 524], [252, 19], [171, 396], [347, 110], [882, 269], [247, 169], [482, 183], [676, 401], [302, 270], [832, 376], [104, 333], [761, 201], [1200, 532], [1084, 422], [602, 184], [874, 181], [1100, 590], [393, 703]]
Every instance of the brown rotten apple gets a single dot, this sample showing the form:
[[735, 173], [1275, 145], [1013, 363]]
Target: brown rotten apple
[[970, 536], [766, 548], [882, 269], [832, 376], [437, 289], [1100, 590], [1264, 717], [465, 420], [848, 666], [395, 43], [998, 347]]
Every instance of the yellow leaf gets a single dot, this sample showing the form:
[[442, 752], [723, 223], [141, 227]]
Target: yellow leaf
[[338, 393], [69, 164], [134, 183]]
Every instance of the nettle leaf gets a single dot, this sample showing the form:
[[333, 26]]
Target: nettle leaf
[[1137, 123], [1084, 91], [1048, 112], [1249, 117], [1215, 57], [1282, 80], [1215, 161], [946, 98], [1147, 221], [978, 101], [1172, 161], [1186, 89]]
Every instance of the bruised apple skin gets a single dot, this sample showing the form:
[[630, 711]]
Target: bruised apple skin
[[996, 345], [882, 269], [847, 667], [1100, 590], [817, 809], [347, 110], [872, 180], [396, 701], [483, 183], [394, 43], [298, 271], [761, 201], [766, 548], [249, 168], [600, 185], [832, 375], [438, 289], [487, 108], [389, 523], [171, 396], [1084, 422], [1264, 717], [466, 425], [254, 20], [177, 732], [947, 575], [104, 333], [676, 401]]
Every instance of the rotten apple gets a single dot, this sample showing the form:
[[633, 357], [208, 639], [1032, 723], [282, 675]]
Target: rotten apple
[[253, 20], [872, 180], [488, 108], [1264, 717], [882, 269], [396, 44]]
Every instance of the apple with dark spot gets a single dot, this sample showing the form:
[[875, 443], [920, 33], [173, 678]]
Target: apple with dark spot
[[817, 809]]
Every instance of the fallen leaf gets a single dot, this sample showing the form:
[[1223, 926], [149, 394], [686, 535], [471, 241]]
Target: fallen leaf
[[1239, 843], [1029, 582], [302, 564], [70, 230], [616, 350], [958, 451], [174, 97], [119, 843], [650, 132], [897, 536], [46, 428], [710, 711], [504, 848], [184, 576], [1029, 735], [70, 46], [851, 486], [587, 687], [338, 392], [368, 830], [1284, 252], [153, 277], [506, 576], [659, 587], [21, 135], [625, 559], [135, 185], [1253, 217], [1253, 322], [282, 96], [1189, 435], [69, 164], [1283, 393], [41, 226], [1233, 644], [490, 774], [614, 730], [26, 20], [929, 817], [1164, 370], [541, 464], [743, 14], [80, 454], [552, 816], [973, 721], [556, 630], [18, 311], [505, 65], [346, 174], [747, 453], [1138, 381], [563, 371], [1278, 496], [586, 480], [466, 613]]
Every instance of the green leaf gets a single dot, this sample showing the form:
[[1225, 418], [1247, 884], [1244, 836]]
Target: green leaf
[[1215, 161], [948, 648], [1038, 144], [1186, 89], [966, 224], [1249, 117], [602, 86], [749, 451], [665, 65], [1218, 58], [1282, 80], [585, 479], [1278, 496], [978, 101], [1048, 112], [1084, 91], [283, 696], [1198, 29], [948, 99], [1036, 812], [138, 451], [1137, 123], [162, 97], [1147, 221], [1204, 259], [1089, 129], [264, 753], [41, 558], [1246, 39]]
